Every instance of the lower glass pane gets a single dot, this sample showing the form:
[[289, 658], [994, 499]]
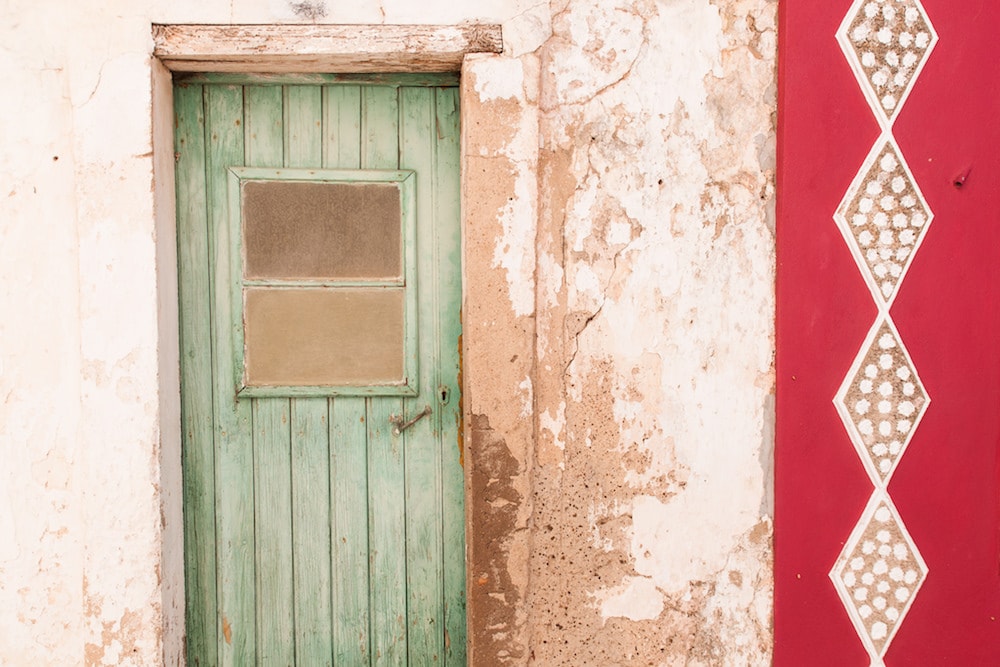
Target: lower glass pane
[[323, 336]]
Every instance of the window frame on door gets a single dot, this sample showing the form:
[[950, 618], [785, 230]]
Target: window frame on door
[[405, 180]]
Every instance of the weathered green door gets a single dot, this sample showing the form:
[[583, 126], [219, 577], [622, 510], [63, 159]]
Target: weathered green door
[[314, 533]]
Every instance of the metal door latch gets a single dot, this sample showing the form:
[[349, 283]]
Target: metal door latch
[[400, 425]]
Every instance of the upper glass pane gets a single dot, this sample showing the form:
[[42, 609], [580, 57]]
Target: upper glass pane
[[297, 230]]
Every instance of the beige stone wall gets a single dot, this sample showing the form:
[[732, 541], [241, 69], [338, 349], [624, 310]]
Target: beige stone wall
[[619, 329]]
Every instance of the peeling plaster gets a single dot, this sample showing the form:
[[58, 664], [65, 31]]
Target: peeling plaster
[[502, 82], [515, 252], [618, 166], [656, 269]]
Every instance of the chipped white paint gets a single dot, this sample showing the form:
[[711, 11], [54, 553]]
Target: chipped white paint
[[592, 54], [554, 423], [499, 79], [516, 251], [552, 273], [636, 599], [672, 549], [679, 320], [528, 30], [9, 547], [527, 397]]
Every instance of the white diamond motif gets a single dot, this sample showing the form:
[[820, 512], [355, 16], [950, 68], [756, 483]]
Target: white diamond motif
[[878, 574], [882, 401], [887, 42], [884, 217]]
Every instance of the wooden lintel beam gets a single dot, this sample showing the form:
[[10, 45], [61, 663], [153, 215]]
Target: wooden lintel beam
[[322, 48]]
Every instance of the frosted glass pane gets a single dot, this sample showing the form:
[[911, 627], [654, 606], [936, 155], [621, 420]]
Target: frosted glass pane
[[323, 337], [310, 230]]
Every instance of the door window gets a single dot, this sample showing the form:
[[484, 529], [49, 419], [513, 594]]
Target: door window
[[324, 281]]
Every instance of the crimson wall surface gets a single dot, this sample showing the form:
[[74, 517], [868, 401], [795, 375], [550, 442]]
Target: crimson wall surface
[[887, 520]]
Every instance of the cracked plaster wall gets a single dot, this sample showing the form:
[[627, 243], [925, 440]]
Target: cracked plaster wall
[[651, 527], [618, 326], [640, 529]]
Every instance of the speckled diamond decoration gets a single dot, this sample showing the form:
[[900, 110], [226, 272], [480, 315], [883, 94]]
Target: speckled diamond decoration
[[887, 42], [878, 574], [884, 217], [882, 401]]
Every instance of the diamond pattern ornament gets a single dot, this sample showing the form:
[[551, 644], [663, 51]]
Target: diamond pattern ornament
[[884, 217], [881, 401], [887, 42], [878, 575]]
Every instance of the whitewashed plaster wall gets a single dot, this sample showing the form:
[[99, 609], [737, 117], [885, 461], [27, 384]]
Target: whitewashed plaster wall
[[637, 252]]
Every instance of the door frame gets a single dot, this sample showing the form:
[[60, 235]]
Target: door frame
[[497, 112]]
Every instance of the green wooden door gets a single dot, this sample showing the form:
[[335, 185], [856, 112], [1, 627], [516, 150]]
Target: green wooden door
[[315, 535]]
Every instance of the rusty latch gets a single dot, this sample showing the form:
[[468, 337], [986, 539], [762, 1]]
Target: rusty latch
[[400, 425]]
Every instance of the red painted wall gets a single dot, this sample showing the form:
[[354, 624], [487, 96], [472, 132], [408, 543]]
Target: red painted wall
[[947, 484]]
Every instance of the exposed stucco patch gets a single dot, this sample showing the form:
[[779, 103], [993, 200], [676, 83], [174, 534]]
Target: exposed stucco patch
[[495, 502]]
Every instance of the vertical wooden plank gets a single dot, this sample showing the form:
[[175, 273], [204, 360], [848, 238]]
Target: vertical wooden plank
[[386, 480], [387, 534], [349, 489], [310, 436], [264, 128], [379, 127], [342, 127], [303, 126], [272, 437], [273, 554], [197, 419], [348, 433], [424, 567], [311, 531], [448, 251], [233, 458]]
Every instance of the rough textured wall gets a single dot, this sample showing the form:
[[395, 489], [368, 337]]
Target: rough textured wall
[[650, 528]]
